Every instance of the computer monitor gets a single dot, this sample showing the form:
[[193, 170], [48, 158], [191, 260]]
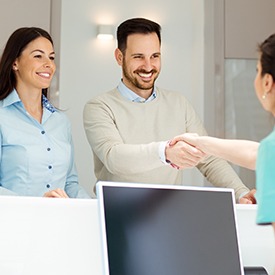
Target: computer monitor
[[152, 229]]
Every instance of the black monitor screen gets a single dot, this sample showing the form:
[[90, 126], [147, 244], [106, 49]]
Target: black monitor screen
[[163, 231]]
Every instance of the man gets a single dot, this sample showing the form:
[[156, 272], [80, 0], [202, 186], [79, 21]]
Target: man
[[129, 127]]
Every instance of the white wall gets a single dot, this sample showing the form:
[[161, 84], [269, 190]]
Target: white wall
[[88, 67]]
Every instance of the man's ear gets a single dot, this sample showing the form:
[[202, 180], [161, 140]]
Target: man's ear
[[118, 56]]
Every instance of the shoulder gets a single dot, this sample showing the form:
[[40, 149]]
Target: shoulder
[[267, 146], [105, 97], [173, 97], [107, 102], [269, 140]]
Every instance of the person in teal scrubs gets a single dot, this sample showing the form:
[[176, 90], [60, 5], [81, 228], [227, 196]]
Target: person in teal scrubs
[[265, 164], [250, 154]]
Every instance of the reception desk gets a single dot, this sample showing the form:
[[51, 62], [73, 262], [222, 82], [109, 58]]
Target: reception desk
[[60, 236], [257, 243]]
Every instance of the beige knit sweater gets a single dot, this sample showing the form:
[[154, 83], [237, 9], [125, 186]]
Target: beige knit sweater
[[125, 136]]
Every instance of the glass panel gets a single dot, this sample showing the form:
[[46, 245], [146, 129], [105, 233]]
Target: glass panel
[[244, 116]]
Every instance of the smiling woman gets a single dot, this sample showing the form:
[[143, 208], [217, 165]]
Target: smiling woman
[[34, 70], [36, 153]]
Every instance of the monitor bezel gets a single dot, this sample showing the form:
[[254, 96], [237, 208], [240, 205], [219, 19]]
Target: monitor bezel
[[103, 234]]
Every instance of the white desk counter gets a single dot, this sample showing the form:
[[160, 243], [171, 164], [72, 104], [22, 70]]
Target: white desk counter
[[41, 236], [257, 243], [60, 236]]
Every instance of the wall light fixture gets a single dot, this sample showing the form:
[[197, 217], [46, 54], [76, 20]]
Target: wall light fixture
[[105, 32]]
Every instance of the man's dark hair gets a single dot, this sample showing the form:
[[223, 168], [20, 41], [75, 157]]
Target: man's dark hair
[[135, 26]]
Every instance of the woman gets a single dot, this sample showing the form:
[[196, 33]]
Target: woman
[[248, 153], [36, 153]]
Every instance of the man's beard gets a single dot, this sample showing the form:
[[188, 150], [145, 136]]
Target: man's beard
[[134, 81]]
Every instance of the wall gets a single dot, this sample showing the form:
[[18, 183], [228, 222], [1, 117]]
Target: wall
[[88, 67], [48, 19], [230, 68], [241, 39], [13, 16]]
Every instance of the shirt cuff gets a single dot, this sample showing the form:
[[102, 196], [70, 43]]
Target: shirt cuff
[[162, 156]]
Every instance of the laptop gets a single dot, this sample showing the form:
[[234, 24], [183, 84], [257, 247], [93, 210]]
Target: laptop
[[151, 229]]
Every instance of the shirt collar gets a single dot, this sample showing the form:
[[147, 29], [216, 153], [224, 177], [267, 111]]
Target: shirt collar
[[13, 98], [47, 104], [132, 96]]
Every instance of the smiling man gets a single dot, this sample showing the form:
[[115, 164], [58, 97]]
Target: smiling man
[[129, 127]]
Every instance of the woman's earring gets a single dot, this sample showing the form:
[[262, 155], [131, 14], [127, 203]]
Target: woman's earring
[[264, 95]]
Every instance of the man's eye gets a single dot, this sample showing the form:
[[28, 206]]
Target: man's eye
[[38, 56], [52, 57]]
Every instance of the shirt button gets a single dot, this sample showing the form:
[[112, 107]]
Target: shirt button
[[48, 149], [50, 167], [42, 132], [48, 185]]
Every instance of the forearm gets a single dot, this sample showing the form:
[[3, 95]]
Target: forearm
[[74, 190], [119, 153], [220, 174], [129, 159], [72, 187], [239, 152]]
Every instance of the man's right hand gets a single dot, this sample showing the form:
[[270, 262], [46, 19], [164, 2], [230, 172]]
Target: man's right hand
[[182, 155]]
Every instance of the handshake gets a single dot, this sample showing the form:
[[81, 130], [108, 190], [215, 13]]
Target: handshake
[[189, 149], [185, 151], [193, 148]]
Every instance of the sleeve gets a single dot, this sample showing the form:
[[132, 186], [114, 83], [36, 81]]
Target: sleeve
[[72, 187], [7, 192], [4, 191], [108, 146], [220, 173], [217, 171]]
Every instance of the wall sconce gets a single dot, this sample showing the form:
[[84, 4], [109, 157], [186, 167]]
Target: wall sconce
[[105, 32]]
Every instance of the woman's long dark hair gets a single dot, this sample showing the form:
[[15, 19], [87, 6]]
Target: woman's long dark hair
[[267, 56], [16, 43]]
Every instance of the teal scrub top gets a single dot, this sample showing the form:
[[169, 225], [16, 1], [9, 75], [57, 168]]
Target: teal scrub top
[[265, 180]]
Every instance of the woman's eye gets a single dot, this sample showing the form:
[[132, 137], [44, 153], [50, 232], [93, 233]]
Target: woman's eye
[[38, 56], [52, 57]]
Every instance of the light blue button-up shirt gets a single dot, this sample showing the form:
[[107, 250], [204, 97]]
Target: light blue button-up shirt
[[130, 95], [36, 157]]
